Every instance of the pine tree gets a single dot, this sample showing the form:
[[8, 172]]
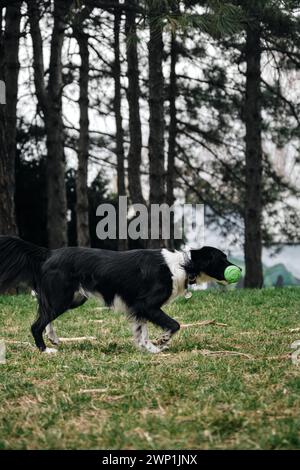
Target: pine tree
[[50, 101], [82, 203], [133, 97], [9, 66]]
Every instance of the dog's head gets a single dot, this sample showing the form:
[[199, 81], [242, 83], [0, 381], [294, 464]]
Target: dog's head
[[209, 264]]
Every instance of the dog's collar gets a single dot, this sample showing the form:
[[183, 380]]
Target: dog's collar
[[190, 278]]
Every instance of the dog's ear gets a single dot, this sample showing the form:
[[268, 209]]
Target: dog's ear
[[201, 258], [203, 255]]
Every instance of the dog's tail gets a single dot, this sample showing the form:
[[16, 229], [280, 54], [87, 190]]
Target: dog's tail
[[20, 261]]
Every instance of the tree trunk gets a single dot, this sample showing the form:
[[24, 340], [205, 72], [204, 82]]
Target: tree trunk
[[133, 95], [173, 123], [5, 199], [156, 109], [56, 188], [82, 202], [38, 59], [51, 104], [7, 225], [172, 133], [253, 197], [10, 72], [122, 244]]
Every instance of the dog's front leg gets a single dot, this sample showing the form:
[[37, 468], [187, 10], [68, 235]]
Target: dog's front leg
[[168, 324], [51, 335], [141, 338]]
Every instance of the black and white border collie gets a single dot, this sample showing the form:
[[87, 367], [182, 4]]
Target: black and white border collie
[[138, 282]]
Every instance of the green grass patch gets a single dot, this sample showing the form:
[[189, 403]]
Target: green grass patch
[[184, 398]]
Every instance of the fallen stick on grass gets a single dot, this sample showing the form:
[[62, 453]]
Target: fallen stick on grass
[[207, 352], [22, 343], [203, 323], [79, 338], [281, 357], [63, 340]]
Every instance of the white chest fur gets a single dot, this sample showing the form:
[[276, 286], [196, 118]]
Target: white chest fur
[[175, 263]]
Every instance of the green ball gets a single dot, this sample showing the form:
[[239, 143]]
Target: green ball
[[232, 274]]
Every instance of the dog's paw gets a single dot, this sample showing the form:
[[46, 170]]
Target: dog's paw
[[50, 351], [153, 349], [163, 340], [159, 342], [164, 348], [150, 348]]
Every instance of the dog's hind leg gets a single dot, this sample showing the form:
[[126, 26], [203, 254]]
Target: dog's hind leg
[[49, 331], [55, 297], [37, 330], [51, 335], [78, 300]]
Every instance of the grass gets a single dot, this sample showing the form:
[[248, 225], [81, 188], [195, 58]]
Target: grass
[[104, 394]]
